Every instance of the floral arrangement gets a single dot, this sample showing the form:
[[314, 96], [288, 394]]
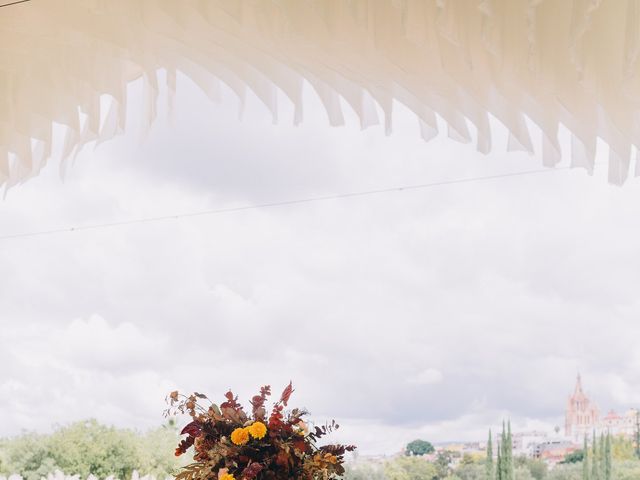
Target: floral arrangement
[[230, 444]]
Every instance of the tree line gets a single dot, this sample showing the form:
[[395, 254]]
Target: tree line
[[90, 448], [607, 458]]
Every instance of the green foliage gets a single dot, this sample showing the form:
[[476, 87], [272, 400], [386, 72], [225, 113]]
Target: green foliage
[[28, 455], [504, 466], [417, 468], [488, 468], [595, 459], [443, 463], [574, 457], [537, 468], [608, 461], [85, 448], [419, 447], [410, 468], [571, 471], [156, 451], [364, 471], [636, 436], [522, 473], [585, 461], [90, 448], [627, 470], [468, 459], [470, 471], [622, 448]]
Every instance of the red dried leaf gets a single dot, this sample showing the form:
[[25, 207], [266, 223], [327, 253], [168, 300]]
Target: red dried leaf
[[282, 458], [193, 429], [252, 471], [232, 401], [284, 398], [184, 445], [300, 445], [275, 420], [257, 402]]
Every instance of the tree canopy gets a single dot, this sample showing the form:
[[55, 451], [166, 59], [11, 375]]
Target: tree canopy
[[88, 447], [419, 447]]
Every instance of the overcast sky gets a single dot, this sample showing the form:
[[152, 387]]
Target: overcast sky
[[430, 313]]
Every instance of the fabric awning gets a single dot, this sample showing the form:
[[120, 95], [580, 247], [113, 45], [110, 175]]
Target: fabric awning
[[574, 62]]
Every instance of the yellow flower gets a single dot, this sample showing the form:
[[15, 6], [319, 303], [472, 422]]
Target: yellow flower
[[227, 476], [257, 430], [240, 436]]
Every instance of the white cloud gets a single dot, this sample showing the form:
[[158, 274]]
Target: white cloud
[[432, 312], [427, 377]]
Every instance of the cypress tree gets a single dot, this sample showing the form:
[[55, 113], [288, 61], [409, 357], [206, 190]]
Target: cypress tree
[[503, 469], [608, 464], [585, 461], [505, 456], [509, 447], [602, 459], [595, 468], [489, 462], [499, 464], [637, 435]]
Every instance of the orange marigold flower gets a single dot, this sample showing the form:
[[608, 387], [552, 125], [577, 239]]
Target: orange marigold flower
[[257, 430], [240, 436], [227, 476]]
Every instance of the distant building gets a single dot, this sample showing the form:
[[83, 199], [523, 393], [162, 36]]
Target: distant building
[[474, 447], [582, 418], [554, 451], [620, 424], [450, 447], [525, 443]]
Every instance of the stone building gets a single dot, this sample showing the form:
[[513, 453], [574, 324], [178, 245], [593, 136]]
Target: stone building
[[582, 418]]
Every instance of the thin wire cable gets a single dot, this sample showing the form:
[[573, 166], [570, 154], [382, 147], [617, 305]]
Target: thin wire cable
[[13, 3], [277, 204]]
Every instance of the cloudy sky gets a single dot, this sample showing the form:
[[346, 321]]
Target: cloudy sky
[[430, 313]]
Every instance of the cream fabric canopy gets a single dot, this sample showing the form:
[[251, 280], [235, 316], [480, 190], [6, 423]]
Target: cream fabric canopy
[[574, 62]]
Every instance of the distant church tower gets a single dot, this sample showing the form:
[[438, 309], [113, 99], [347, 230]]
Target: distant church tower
[[581, 416]]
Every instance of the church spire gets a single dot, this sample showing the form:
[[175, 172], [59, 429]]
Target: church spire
[[578, 389]]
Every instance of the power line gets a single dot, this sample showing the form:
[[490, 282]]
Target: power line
[[13, 3], [277, 204]]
